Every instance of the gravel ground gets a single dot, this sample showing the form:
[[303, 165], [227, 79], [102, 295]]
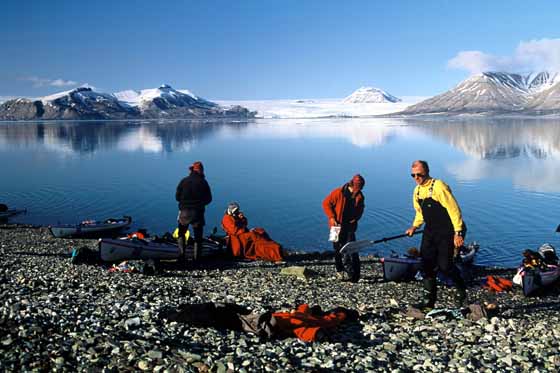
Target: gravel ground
[[58, 316]]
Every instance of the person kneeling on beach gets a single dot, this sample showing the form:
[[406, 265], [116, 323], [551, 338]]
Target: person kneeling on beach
[[344, 206], [250, 244]]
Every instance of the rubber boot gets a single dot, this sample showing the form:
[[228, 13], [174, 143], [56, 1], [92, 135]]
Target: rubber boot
[[460, 297], [461, 289], [181, 242], [429, 294], [197, 251]]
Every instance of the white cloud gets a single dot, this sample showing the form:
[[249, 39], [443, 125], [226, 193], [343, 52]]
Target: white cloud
[[529, 56], [42, 82]]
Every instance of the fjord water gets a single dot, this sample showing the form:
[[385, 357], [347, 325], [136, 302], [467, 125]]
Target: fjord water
[[504, 174]]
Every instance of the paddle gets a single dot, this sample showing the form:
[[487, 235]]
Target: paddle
[[355, 246]]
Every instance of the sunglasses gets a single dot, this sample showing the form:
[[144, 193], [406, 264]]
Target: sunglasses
[[417, 175]]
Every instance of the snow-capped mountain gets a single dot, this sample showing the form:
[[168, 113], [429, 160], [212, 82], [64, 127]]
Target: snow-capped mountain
[[366, 95], [163, 98], [493, 93], [85, 103]]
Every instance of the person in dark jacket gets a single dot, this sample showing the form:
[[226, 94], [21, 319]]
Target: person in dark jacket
[[193, 194], [444, 232], [344, 206]]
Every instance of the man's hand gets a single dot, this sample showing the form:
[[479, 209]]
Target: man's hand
[[333, 222], [410, 231], [458, 241]]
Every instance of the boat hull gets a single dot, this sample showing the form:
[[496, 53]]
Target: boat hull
[[533, 280], [400, 269], [83, 230], [114, 250]]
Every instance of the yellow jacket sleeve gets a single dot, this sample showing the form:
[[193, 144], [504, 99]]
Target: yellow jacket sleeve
[[442, 193], [418, 218]]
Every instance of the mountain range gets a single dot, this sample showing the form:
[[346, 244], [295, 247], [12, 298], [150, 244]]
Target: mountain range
[[496, 93], [84, 103]]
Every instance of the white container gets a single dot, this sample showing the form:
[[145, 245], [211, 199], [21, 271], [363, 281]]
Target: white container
[[333, 234]]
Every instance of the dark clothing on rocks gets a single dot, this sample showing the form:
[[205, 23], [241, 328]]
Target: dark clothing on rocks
[[222, 316], [306, 323]]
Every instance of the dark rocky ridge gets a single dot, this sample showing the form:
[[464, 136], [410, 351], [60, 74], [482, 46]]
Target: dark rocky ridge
[[86, 104]]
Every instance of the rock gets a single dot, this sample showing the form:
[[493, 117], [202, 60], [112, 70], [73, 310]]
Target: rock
[[297, 271], [132, 322], [143, 365], [155, 354]]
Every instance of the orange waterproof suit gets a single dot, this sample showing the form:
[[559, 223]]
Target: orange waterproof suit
[[254, 244], [305, 325]]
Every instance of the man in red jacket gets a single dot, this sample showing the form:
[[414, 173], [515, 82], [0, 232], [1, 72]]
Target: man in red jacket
[[344, 206]]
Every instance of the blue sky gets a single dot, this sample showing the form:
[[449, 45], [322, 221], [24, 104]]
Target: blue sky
[[269, 49]]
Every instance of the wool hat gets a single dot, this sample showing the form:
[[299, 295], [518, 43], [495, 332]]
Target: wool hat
[[197, 167]]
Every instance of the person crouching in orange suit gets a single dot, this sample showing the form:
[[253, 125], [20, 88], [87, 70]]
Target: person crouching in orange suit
[[250, 244]]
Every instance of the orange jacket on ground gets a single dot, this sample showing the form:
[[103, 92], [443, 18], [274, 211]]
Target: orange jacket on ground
[[335, 202], [303, 324], [254, 244]]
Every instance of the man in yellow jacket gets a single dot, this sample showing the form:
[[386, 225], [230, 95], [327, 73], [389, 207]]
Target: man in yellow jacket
[[444, 232]]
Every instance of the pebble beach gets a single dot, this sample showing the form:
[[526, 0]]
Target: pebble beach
[[58, 316]]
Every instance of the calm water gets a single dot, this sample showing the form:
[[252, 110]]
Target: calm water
[[505, 175]]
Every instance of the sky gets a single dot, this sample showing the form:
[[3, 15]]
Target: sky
[[251, 50]]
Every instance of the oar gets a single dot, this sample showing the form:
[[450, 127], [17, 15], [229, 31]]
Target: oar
[[355, 246]]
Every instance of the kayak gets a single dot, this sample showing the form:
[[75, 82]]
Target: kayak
[[90, 227], [400, 269], [11, 212], [535, 279], [405, 268], [113, 250]]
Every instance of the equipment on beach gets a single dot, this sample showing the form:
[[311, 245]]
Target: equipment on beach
[[114, 250], [400, 269], [538, 269], [11, 212], [355, 246], [405, 268], [535, 279], [91, 227]]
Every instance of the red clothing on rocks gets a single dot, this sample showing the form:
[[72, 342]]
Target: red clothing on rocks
[[305, 325], [254, 244]]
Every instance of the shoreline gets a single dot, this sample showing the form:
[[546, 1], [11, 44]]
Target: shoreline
[[56, 315]]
